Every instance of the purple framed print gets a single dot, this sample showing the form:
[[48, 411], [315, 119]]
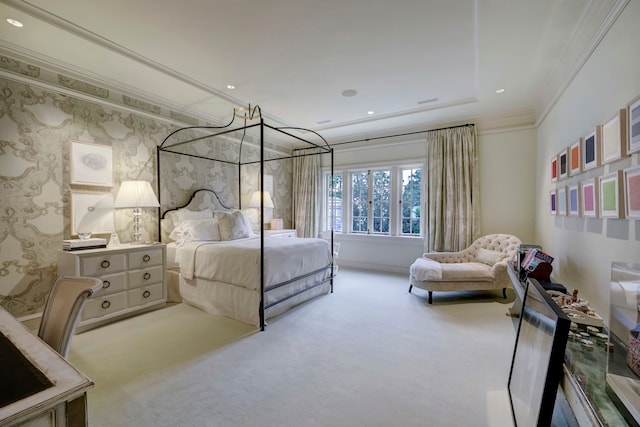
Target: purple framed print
[[553, 202], [632, 191], [563, 163], [573, 200], [611, 202], [614, 140], [589, 198], [591, 149], [574, 158], [562, 201], [554, 168], [633, 129]]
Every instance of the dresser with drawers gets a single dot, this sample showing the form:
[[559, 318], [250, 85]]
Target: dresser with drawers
[[133, 278]]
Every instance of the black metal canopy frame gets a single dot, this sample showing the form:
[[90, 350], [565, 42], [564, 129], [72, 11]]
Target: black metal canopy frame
[[181, 142]]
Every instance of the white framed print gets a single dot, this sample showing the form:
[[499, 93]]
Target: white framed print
[[563, 163], [91, 164], [611, 198], [589, 198], [575, 159], [553, 203], [633, 129], [554, 168], [591, 149], [632, 192], [614, 140], [562, 201], [573, 200], [91, 212]]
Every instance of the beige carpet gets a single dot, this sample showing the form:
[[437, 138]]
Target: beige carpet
[[368, 355]]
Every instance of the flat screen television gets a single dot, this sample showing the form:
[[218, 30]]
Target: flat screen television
[[538, 355]]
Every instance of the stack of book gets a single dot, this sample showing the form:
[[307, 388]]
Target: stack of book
[[78, 244], [534, 258]]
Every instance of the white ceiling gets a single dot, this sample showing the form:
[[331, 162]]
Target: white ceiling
[[415, 63]]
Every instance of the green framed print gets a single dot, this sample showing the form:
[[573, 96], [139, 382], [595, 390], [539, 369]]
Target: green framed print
[[611, 205]]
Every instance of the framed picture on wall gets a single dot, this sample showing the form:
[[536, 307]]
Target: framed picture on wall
[[575, 158], [553, 202], [573, 200], [611, 198], [563, 163], [554, 168], [91, 164], [589, 198], [591, 149], [632, 191], [614, 131], [633, 128], [91, 212], [562, 201]]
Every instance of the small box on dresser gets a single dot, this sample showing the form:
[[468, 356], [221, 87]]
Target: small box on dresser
[[133, 280]]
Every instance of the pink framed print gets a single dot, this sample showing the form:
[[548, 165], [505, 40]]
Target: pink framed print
[[632, 192], [614, 138], [553, 202], [611, 200], [573, 200], [574, 158], [563, 164], [562, 201], [589, 198], [591, 149], [554, 168], [633, 129]]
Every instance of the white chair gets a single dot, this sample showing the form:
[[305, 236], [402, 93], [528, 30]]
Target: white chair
[[62, 310]]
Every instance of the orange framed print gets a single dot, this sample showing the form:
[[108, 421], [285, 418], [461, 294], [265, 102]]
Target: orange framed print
[[614, 138], [563, 164], [553, 202], [574, 158], [611, 200], [562, 201], [633, 130], [554, 168], [632, 191], [589, 198], [591, 149], [573, 200]]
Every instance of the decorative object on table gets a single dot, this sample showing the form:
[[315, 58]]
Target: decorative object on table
[[80, 244], [632, 191], [611, 196], [114, 240], [91, 213], [136, 195], [277, 224], [91, 164], [633, 356]]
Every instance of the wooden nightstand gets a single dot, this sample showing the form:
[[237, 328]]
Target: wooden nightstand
[[281, 233], [133, 279]]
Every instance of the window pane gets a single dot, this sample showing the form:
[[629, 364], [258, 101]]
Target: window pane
[[411, 194], [334, 202], [381, 201], [360, 190]]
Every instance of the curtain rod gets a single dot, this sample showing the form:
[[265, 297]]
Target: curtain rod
[[401, 134]]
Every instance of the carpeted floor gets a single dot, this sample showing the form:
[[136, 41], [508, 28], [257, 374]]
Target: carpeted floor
[[369, 354]]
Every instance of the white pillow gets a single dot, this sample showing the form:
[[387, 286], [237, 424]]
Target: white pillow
[[490, 257], [185, 214], [233, 225], [196, 229]]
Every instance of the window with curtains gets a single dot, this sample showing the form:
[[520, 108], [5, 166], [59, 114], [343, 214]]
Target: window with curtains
[[374, 201]]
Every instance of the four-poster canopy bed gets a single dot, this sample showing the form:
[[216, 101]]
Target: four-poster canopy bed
[[225, 267]]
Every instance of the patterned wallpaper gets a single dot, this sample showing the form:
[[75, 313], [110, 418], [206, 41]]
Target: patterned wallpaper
[[36, 129]]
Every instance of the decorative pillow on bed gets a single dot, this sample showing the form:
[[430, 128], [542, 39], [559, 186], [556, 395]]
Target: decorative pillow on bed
[[490, 257], [233, 225], [183, 215], [196, 229]]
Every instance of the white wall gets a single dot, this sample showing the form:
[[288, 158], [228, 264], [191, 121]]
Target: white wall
[[585, 248], [507, 195]]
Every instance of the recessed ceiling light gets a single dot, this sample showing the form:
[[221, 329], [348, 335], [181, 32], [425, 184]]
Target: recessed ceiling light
[[500, 91], [14, 22], [349, 93], [231, 87], [370, 112]]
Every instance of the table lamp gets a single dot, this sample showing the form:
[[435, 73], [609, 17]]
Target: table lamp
[[136, 195]]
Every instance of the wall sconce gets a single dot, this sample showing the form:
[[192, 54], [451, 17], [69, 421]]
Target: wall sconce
[[136, 195]]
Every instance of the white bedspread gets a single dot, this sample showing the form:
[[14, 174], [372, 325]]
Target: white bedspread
[[237, 262]]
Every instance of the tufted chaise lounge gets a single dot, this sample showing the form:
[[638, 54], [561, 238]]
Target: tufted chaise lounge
[[481, 266]]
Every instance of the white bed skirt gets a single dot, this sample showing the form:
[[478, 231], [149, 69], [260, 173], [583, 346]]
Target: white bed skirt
[[243, 304]]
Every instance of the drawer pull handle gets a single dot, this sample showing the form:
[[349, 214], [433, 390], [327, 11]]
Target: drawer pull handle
[[106, 304], [146, 258], [106, 284], [146, 294], [147, 276], [105, 264]]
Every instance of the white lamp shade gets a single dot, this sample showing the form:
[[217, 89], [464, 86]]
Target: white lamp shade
[[136, 194], [255, 200]]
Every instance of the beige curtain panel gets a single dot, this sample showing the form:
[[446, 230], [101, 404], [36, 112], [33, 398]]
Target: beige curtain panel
[[452, 189], [306, 170]]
